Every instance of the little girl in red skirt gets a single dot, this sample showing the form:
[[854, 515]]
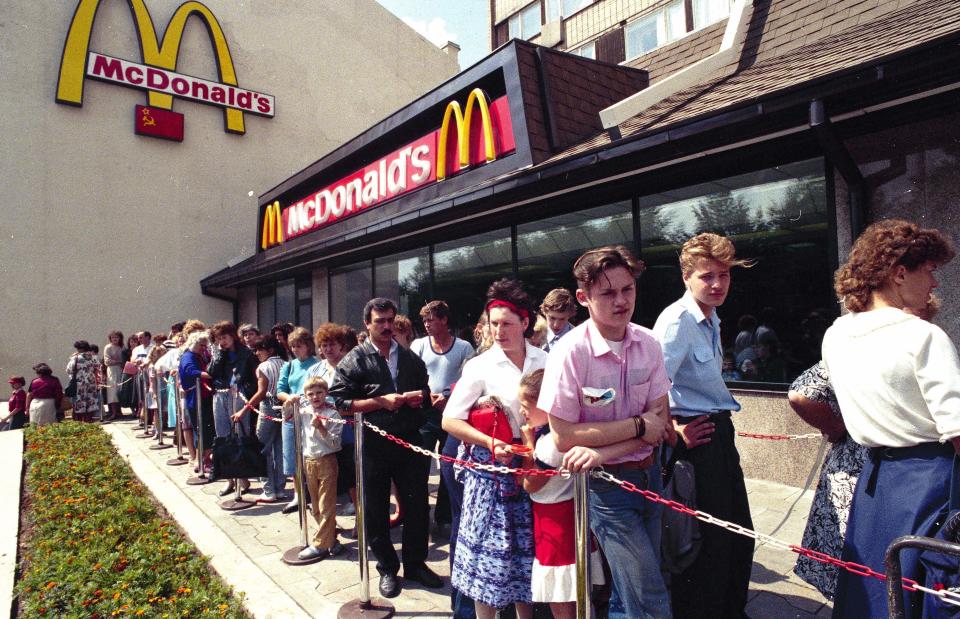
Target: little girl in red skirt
[[554, 578]]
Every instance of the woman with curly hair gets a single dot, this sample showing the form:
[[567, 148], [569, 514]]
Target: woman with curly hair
[[493, 556], [897, 381]]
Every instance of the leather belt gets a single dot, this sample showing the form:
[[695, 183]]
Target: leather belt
[[632, 465]]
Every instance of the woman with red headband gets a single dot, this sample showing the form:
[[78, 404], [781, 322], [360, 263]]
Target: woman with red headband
[[493, 556]]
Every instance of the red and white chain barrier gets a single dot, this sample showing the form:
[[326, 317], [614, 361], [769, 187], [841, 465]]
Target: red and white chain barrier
[[780, 437], [948, 596]]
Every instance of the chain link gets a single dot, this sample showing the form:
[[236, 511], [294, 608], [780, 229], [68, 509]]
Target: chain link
[[780, 437], [947, 595]]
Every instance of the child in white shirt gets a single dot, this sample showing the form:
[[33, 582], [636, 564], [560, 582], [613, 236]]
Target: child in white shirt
[[321, 442]]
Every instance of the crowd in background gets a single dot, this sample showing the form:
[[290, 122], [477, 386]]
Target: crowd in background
[[535, 391]]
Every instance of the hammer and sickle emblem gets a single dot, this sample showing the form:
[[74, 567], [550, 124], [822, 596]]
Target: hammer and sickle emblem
[[148, 120]]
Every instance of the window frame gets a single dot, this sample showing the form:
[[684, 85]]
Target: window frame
[[693, 13], [517, 18], [578, 50], [561, 14], [664, 36]]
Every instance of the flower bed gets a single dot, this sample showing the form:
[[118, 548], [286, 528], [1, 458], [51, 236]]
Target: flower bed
[[94, 543]]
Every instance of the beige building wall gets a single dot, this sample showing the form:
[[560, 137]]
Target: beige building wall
[[103, 229]]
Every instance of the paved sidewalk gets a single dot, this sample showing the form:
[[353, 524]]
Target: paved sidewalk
[[250, 542]]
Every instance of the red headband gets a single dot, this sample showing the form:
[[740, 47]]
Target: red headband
[[522, 313]]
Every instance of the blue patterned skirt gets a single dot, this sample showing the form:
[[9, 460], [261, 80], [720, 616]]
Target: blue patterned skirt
[[494, 555]]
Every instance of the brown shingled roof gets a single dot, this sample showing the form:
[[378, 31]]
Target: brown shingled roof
[[894, 32]]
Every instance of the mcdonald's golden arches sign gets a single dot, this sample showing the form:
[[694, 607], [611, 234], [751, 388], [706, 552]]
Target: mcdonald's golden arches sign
[[470, 135], [157, 72]]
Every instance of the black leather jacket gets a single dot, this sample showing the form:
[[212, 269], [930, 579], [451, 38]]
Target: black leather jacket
[[363, 374], [245, 364]]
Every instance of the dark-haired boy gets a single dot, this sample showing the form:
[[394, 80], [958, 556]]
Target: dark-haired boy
[[604, 384], [558, 308]]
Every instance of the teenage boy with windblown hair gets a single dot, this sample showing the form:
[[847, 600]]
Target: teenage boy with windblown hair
[[716, 583]]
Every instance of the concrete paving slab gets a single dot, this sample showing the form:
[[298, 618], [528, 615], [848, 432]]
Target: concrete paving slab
[[259, 536], [11, 463]]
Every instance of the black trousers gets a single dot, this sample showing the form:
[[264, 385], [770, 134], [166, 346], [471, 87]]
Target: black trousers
[[433, 437], [385, 462], [717, 583]]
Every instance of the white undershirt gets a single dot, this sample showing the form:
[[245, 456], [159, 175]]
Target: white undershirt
[[616, 347]]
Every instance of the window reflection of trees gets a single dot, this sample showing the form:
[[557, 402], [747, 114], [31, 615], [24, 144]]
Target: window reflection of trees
[[777, 216]]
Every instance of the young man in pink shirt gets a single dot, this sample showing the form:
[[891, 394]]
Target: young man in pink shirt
[[605, 387]]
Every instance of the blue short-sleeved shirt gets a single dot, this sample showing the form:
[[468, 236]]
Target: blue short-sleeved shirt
[[693, 357]]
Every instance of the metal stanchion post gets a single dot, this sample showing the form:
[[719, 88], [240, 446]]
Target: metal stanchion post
[[291, 557], [364, 607], [178, 428], [202, 478], [141, 404], [582, 535], [100, 389], [144, 383], [159, 389], [237, 502]]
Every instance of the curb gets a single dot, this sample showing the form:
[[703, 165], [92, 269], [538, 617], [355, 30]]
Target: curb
[[11, 460], [263, 598]]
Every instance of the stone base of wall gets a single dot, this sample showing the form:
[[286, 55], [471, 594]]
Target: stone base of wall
[[795, 463]]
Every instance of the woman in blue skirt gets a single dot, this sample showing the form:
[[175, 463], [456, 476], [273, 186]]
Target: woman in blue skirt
[[897, 380], [494, 554]]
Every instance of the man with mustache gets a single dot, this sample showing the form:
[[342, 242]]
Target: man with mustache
[[388, 386]]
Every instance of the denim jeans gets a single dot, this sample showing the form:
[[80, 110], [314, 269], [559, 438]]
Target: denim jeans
[[628, 529], [222, 413], [289, 448], [268, 433]]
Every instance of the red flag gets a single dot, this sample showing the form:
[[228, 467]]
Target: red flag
[[158, 123]]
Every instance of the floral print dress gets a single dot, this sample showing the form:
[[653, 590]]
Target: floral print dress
[[86, 366], [827, 523]]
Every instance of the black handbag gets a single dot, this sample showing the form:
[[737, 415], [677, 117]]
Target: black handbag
[[238, 456], [71, 390]]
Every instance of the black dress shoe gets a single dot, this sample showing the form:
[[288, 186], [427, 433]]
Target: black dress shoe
[[424, 576], [230, 489], [389, 585]]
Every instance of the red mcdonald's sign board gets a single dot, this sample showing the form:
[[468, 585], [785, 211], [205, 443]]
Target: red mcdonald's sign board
[[482, 131]]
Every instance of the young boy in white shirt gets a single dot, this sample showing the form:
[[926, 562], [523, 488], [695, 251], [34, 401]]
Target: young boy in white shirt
[[321, 442]]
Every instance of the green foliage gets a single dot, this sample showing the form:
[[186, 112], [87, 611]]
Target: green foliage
[[96, 545]]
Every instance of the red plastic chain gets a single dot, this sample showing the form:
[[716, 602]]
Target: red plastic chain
[[778, 437]]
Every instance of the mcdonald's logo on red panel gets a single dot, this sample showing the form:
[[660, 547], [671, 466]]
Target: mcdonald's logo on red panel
[[158, 123]]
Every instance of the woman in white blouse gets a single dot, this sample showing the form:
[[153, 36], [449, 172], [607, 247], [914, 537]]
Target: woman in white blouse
[[897, 381], [493, 557]]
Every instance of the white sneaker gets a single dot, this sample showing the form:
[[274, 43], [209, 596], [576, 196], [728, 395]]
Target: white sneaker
[[311, 552]]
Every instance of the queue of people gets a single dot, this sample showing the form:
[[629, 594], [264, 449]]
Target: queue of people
[[605, 392]]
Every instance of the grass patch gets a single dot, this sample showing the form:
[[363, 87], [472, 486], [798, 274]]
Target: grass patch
[[95, 543]]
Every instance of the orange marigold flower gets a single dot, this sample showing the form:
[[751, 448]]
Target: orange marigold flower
[[51, 585]]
